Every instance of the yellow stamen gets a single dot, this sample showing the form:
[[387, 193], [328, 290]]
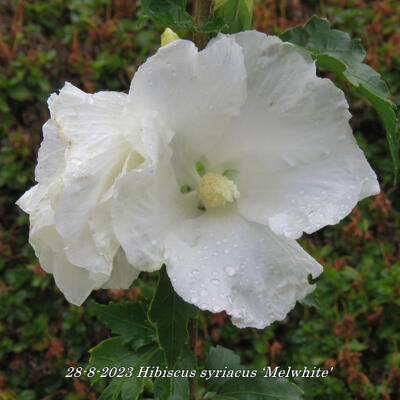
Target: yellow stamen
[[216, 189]]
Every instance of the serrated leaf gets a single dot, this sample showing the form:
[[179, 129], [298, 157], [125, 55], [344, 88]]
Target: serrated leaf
[[236, 14], [170, 314], [115, 353], [335, 51], [128, 320], [171, 13], [258, 389], [176, 388]]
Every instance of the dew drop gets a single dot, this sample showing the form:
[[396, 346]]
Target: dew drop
[[215, 282], [203, 293], [226, 251], [230, 271]]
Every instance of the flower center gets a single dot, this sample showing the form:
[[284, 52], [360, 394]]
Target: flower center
[[216, 189]]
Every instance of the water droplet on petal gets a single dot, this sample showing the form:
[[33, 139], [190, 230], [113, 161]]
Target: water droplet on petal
[[203, 292], [215, 282], [230, 271]]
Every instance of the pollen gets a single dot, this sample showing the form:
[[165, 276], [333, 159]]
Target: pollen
[[216, 190]]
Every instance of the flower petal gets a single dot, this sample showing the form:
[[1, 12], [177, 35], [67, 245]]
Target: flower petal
[[74, 282], [51, 153], [93, 126], [220, 261], [147, 204], [300, 167], [123, 274], [194, 93]]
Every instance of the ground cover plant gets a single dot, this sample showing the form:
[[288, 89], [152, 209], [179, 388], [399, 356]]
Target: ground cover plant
[[352, 322]]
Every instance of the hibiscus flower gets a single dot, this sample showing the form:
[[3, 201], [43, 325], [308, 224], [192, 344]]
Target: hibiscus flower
[[249, 149], [213, 164]]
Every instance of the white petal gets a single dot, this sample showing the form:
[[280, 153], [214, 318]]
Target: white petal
[[195, 93], [300, 167], [93, 126], [147, 204], [123, 274], [220, 261], [74, 282], [51, 156]]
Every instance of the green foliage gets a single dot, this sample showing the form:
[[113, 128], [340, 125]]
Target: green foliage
[[176, 388], [97, 45], [169, 13], [312, 300], [335, 51], [237, 14], [170, 314], [244, 388], [128, 320], [229, 16], [114, 353]]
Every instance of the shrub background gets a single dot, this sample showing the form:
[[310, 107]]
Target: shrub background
[[353, 321]]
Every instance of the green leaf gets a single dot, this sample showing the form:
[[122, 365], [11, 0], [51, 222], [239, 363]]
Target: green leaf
[[244, 388], [170, 314], [311, 300], [115, 353], [213, 25], [258, 389], [171, 13], [20, 93], [176, 388], [335, 51], [128, 320], [112, 391], [219, 358], [236, 14]]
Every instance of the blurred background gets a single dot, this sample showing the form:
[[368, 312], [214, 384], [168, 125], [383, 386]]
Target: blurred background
[[353, 322]]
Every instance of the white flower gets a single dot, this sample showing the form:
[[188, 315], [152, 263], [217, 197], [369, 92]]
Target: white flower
[[279, 159], [84, 150]]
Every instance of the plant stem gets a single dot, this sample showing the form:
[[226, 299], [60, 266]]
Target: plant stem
[[193, 329], [202, 11]]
